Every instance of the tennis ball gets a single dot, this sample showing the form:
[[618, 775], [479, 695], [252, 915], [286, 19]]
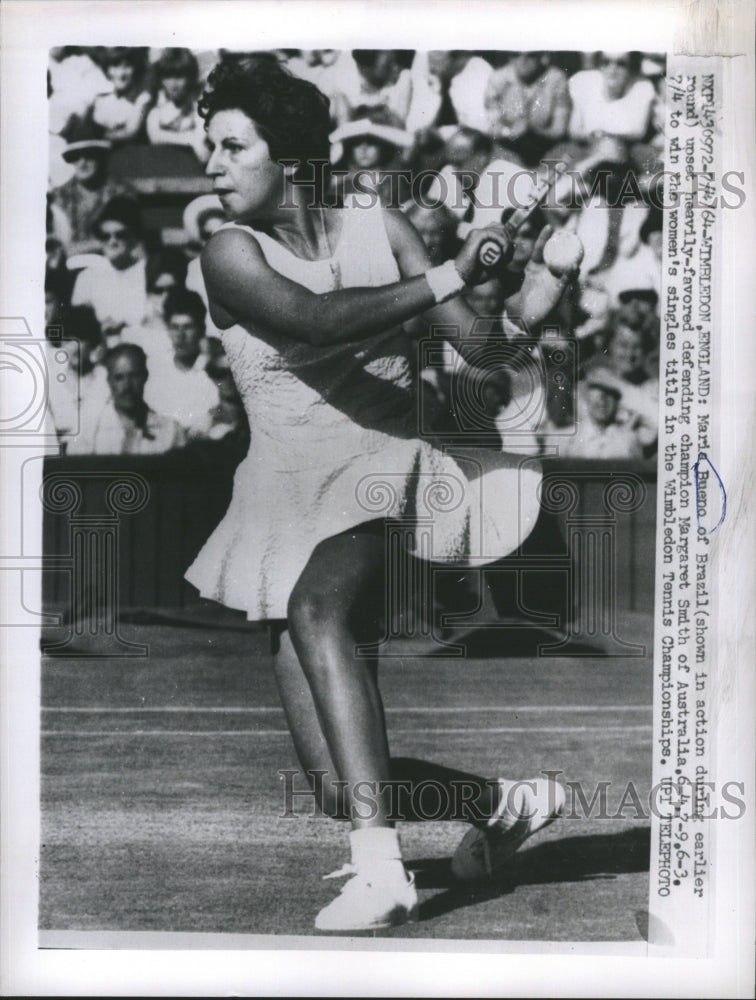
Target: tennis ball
[[563, 252]]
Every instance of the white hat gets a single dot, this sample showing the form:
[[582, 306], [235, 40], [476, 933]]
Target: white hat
[[364, 127], [85, 137], [206, 204]]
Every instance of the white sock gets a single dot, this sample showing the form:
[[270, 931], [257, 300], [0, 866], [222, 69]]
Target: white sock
[[374, 846]]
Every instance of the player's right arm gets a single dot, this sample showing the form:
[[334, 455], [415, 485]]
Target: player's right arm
[[243, 288]]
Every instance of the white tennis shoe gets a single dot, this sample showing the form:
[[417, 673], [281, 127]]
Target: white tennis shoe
[[525, 808], [382, 896]]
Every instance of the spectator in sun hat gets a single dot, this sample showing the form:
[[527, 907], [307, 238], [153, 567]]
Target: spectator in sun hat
[[86, 136], [114, 284], [202, 216], [367, 148], [85, 194]]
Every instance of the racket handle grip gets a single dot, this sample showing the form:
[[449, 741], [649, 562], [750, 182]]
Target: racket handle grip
[[490, 254]]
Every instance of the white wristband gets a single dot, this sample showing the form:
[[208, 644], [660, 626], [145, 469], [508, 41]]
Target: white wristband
[[445, 281]]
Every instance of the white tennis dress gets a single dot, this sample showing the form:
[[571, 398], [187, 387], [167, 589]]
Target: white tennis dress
[[335, 443]]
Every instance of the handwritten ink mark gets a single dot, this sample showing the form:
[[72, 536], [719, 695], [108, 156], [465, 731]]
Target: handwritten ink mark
[[699, 474]]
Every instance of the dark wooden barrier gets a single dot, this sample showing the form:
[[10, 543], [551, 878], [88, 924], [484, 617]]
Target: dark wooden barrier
[[165, 177], [619, 493], [141, 521], [184, 497]]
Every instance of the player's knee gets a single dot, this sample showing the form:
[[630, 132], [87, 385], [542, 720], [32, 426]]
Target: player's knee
[[312, 612]]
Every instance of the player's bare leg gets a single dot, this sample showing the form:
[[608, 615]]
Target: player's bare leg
[[503, 812], [329, 614], [336, 716], [459, 795], [306, 733]]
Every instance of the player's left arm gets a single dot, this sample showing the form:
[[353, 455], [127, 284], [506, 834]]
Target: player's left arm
[[539, 294]]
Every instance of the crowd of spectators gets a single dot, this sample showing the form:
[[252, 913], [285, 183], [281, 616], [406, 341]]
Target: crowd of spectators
[[128, 305]]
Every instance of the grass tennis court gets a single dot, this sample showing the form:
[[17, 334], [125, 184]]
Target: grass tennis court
[[162, 799]]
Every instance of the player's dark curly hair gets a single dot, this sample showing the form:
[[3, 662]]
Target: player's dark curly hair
[[291, 114]]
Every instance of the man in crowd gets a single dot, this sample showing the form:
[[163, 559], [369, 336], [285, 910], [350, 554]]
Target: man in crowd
[[181, 387], [599, 434], [124, 424]]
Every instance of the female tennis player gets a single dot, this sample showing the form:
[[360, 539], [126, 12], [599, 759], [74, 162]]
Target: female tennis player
[[311, 299]]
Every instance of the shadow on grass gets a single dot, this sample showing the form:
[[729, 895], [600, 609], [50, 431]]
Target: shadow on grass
[[518, 641], [491, 641], [571, 859]]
